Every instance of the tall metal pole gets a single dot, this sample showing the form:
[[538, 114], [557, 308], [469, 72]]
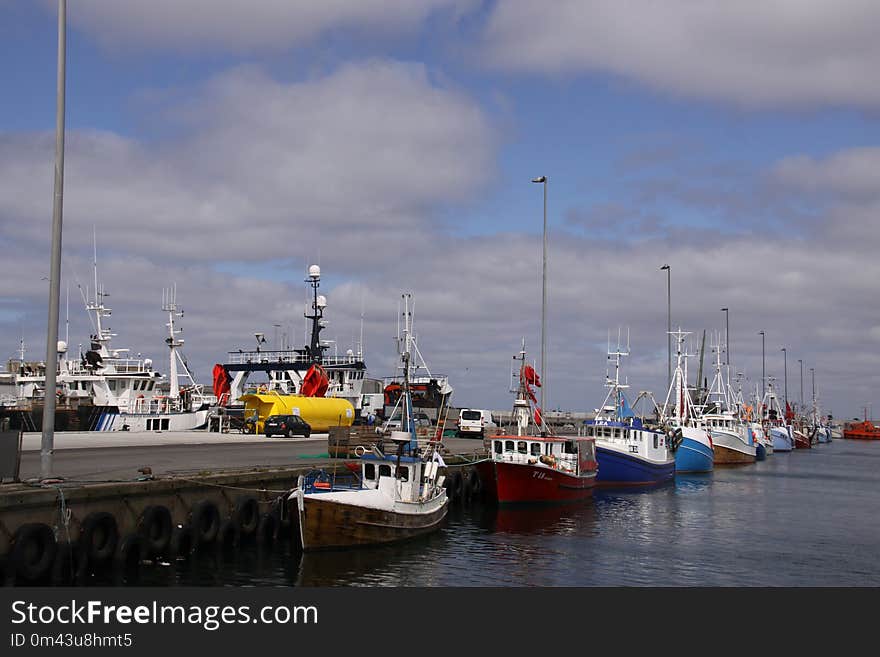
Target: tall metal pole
[[47, 443], [726, 335], [543, 180], [668, 325], [763, 378], [802, 384], [785, 378]]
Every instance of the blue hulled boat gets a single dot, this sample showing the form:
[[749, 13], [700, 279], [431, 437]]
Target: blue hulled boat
[[695, 452], [628, 452]]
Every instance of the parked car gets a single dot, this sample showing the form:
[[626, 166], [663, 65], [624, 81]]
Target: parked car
[[286, 425]]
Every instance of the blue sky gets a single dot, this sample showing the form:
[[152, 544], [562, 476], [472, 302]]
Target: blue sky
[[744, 159]]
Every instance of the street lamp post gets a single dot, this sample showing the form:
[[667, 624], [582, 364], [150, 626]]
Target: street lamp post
[[47, 441], [763, 379], [802, 384], [543, 181], [785, 366], [726, 335], [668, 325]]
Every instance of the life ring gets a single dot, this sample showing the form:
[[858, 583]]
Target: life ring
[[33, 551], [98, 537], [246, 515], [155, 526], [267, 529], [360, 450], [204, 518]]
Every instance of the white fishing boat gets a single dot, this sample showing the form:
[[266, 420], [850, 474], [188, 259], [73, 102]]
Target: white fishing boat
[[396, 496], [731, 438]]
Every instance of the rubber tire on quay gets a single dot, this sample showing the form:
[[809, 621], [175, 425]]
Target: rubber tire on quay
[[267, 529], [131, 551], [475, 483], [228, 536], [204, 518], [33, 551], [65, 565], [277, 510], [183, 542], [455, 486], [246, 515], [155, 526], [307, 434], [98, 537], [466, 490]]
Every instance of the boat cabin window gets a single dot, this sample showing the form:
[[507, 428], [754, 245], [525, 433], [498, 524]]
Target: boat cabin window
[[508, 446], [370, 471], [497, 446], [384, 470], [536, 449], [403, 473], [656, 438], [521, 447], [617, 433], [112, 384], [606, 431], [569, 447]]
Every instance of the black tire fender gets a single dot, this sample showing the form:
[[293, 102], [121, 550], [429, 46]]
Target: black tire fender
[[183, 541], [246, 514], [132, 549], [98, 537], [204, 518], [33, 551], [267, 529], [155, 527]]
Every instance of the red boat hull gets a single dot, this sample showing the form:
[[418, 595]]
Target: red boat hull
[[512, 483], [801, 442], [862, 431]]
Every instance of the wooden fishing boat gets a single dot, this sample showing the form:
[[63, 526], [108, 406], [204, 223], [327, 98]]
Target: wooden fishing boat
[[396, 496]]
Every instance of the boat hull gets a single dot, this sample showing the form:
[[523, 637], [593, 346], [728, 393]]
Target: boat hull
[[619, 469], [801, 441], [760, 452], [731, 450], [694, 456], [521, 483], [782, 442], [329, 524]]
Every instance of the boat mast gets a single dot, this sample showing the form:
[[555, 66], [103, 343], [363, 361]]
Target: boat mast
[[169, 305], [404, 346], [319, 302]]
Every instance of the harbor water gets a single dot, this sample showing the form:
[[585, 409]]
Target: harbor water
[[806, 518]]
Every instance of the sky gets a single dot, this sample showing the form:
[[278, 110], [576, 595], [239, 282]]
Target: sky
[[223, 147]]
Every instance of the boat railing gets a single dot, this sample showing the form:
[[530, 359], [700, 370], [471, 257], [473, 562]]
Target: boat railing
[[286, 356]]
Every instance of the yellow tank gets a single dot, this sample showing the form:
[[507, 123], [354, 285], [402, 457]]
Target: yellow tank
[[320, 412]]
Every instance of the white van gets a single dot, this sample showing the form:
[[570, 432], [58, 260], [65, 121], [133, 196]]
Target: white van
[[472, 422]]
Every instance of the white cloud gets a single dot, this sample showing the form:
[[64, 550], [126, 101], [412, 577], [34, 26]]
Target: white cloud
[[751, 52], [853, 172], [257, 169], [252, 25]]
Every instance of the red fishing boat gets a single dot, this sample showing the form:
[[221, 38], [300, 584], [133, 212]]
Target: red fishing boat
[[866, 430], [527, 465]]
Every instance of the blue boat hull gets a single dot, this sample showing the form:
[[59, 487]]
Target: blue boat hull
[[760, 452], [693, 456], [617, 469]]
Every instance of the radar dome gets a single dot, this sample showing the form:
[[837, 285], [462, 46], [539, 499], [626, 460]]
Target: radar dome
[[322, 301], [314, 271], [148, 362], [62, 347]]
